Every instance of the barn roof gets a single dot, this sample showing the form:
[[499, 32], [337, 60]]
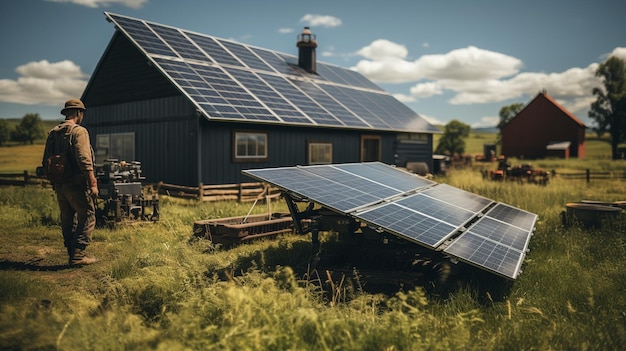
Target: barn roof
[[569, 114], [544, 95], [230, 81]]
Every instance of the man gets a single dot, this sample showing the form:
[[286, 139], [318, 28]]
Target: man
[[77, 193]]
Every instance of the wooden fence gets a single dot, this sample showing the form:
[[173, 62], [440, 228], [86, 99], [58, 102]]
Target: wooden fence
[[589, 175], [243, 192], [22, 179]]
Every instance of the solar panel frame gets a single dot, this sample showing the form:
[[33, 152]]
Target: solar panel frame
[[490, 235]]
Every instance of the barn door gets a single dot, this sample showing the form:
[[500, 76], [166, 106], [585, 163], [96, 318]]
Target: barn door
[[370, 148]]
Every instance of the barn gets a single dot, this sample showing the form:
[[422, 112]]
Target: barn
[[543, 128], [194, 108]]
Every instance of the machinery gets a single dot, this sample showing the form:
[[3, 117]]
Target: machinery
[[523, 173], [122, 196]]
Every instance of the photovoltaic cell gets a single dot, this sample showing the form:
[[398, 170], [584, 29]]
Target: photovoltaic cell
[[408, 223], [513, 216], [143, 36], [286, 111], [485, 253], [384, 174], [175, 39], [332, 194], [245, 55], [214, 50], [477, 230], [458, 197], [333, 97]]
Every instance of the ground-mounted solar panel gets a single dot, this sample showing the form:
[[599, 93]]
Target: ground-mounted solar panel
[[333, 97], [500, 238], [469, 227], [334, 195], [408, 224]]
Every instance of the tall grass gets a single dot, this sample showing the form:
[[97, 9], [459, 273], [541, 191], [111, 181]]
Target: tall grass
[[157, 289]]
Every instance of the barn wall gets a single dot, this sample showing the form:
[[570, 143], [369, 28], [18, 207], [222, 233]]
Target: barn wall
[[536, 126], [165, 135], [287, 146]]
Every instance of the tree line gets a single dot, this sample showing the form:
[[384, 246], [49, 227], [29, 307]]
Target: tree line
[[608, 111], [29, 129]]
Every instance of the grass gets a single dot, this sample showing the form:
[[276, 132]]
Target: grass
[[155, 288]]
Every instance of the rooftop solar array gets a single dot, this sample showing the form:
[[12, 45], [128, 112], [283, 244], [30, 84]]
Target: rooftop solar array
[[471, 228], [237, 82]]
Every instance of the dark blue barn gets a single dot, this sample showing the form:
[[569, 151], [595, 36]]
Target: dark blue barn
[[199, 109]]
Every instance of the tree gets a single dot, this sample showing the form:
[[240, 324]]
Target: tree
[[609, 109], [5, 131], [451, 141], [506, 115], [29, 129]]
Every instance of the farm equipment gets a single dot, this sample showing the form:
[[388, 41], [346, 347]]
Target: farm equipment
[[122, 197], [522, 173]]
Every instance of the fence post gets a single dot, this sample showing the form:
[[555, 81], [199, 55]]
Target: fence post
[[588, 175], [201, 191], [26, 178]]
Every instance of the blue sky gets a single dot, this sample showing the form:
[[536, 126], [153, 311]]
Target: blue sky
[[447, 59]]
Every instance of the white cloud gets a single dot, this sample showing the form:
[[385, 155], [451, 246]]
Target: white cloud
[[474, 76], [44, 83], [428, 89], [381, 49], [285, 30], [486, 121], [386, 63], [619, 52], [321, 21], [134, 4]]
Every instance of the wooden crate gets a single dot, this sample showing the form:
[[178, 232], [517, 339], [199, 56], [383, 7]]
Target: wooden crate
[[233, 230]]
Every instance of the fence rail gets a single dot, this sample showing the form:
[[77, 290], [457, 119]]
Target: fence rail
[[589, 175], [243, 192]]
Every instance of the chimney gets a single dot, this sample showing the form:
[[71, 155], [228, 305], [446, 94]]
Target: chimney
[[306, 50]]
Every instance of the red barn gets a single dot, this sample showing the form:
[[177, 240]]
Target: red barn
[[543, 129]]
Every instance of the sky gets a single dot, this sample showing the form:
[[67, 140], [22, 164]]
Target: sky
[[447, 59]]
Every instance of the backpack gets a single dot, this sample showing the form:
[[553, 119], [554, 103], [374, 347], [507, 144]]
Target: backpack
[[58, 166]]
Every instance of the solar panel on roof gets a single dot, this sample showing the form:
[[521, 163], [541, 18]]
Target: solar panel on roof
[[493, 236], [336, 97]]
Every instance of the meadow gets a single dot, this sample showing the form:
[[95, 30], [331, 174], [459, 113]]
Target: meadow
[[158, 288]]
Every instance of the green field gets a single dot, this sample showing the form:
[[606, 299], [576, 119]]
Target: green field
[[155, 289]]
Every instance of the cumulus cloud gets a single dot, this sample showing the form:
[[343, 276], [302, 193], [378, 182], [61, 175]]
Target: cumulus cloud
[[285, 30], [619, 52], [473, 75], [134, 4], [386, 64], [321, 20], [44, 83]]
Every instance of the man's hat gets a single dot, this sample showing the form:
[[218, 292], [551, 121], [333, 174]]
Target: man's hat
[[73, 104]]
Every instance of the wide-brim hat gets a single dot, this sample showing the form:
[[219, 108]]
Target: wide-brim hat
[[73, 104]]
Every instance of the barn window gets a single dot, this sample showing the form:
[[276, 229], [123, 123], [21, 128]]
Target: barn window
[[120, 146], [250, 146], [413, 138], [320, 153]]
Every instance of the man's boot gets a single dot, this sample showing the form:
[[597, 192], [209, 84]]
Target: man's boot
[[79, 258]]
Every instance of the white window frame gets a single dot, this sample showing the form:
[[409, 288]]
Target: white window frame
[[320, 153], [255, 146]]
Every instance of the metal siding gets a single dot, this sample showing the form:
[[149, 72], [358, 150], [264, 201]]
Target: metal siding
[[415, 152], [287, 146], [165, 135]]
